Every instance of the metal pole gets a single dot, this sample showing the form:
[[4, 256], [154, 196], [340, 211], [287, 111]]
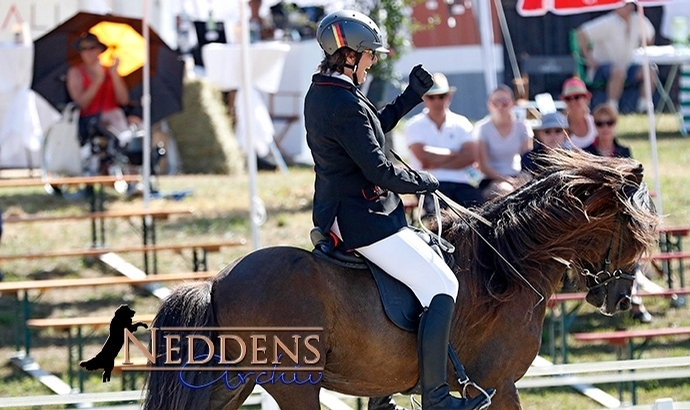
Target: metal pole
[[146, 105], [254, 201]]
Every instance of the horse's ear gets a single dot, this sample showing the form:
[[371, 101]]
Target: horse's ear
[[636, 174]]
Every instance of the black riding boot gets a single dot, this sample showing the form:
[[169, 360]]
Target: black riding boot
[[434, 331]]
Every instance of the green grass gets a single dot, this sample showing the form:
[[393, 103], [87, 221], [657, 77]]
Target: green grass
[[221, 208]]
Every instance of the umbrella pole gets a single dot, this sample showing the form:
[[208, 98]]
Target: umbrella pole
[[146, 105], [650, 111]]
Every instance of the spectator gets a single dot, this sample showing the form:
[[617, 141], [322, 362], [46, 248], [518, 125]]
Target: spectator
[[502, 140], [607, 44], [606, 144], [580, 121], [442, 143], [99, 91], [551, 133]]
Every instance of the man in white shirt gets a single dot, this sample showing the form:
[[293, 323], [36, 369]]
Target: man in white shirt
[[607, 44], [442, 143]]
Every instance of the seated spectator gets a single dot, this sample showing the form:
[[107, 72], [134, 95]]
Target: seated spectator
[[607, 44], [580, 121], [502, 141], [442, 143], [98, 91], [606, 144], [551, 133]]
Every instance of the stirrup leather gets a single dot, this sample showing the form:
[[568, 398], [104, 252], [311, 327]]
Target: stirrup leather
[[465, 381]]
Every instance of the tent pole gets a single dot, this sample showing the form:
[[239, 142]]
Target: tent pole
[[650, 111], [254, 201], [146, 105], [509, 45]]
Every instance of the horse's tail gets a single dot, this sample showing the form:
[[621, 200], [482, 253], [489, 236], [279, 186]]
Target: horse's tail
[[188, 306]]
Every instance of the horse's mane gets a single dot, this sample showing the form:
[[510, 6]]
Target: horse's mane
[[572, 210]]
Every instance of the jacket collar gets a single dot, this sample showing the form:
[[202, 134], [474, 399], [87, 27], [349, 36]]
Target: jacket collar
[[327, 80]]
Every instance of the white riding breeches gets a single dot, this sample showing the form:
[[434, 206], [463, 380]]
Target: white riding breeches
[[406, 257]]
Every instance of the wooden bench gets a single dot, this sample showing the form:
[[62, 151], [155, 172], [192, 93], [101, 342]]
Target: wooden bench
[[199, 260], [78, 323], [663, 263], [622, 338], [671, 237], [567, 316], [96, 195], [22, 289], [148, 221], [67, 324], [86, 180], [153, 213]]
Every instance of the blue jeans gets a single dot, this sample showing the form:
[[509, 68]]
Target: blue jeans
[[604, 72]]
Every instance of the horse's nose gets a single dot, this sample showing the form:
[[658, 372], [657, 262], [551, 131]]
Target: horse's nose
[[624, 303]]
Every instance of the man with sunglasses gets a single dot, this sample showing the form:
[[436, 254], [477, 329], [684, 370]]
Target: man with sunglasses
[[442, 143]]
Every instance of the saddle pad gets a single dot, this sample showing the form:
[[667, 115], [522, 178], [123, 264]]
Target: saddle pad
[[399, 302]]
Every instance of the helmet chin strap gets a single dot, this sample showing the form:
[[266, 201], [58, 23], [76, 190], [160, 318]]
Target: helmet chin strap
[[354, 69]]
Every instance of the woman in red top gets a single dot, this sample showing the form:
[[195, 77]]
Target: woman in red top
[[98, 91]]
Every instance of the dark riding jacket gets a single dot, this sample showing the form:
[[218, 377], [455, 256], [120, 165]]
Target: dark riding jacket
[[355, 182]]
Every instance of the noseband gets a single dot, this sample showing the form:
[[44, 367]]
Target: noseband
[[604, 276]]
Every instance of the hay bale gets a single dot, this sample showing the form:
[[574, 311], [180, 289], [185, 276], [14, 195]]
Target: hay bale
[[203, 132]]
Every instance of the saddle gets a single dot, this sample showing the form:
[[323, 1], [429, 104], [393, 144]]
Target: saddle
[[399, 302]]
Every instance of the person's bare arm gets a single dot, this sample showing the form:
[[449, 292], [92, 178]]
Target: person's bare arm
[[82, 96], [435, 157], [585, 51], [121, 92]]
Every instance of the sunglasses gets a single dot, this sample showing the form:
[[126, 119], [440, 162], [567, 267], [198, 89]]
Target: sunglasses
[[437, 96], [608, 123], [574, 97], [372, 54]]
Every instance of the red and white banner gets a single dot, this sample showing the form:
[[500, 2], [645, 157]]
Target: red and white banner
[[541, 7]]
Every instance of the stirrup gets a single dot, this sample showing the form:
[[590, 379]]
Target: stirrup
[[465, 381]]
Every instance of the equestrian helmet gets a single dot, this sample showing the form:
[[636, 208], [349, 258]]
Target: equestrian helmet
[[352, 29]]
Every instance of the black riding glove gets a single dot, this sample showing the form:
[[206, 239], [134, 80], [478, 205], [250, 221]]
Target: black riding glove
[[428, 182], [420, 80]]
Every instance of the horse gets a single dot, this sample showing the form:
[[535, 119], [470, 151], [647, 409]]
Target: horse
[[585, 216]]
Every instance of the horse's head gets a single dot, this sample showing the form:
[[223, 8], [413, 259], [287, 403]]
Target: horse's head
[[618, 228], [591, 213]]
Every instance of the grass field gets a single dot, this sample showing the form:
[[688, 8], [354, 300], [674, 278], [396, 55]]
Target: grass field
[[221, 205]]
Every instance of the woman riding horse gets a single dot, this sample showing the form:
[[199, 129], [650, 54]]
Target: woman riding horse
[[589, 215], [356, 197]]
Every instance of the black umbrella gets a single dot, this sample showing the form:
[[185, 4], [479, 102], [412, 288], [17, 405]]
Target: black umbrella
[[54, 53]]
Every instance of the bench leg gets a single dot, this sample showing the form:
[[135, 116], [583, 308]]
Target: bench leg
[[80, 357], [70, 372], [26, 304], [200, 264]]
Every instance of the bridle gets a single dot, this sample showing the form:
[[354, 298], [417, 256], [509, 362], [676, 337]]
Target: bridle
[[604, 276]]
